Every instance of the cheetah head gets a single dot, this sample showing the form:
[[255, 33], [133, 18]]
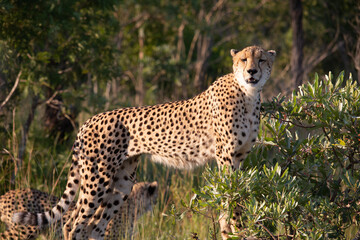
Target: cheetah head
[[144, 195], [252, 67]]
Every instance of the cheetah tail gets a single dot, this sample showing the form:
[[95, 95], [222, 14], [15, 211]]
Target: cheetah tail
[[43, 219]]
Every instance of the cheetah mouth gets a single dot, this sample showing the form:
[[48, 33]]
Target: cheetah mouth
[[252, 80]]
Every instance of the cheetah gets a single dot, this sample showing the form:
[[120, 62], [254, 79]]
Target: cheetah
[[220, 123], [23, 200], [141, 199]]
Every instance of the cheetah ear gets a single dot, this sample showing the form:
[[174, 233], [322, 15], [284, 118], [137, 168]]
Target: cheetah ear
[[233, 52], [272, 54], [152, 188]]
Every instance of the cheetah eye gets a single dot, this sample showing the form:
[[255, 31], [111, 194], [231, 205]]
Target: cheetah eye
[[243, 59], [261, 60]]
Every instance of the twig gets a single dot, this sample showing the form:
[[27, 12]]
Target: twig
[[12, 90], [71, 121], [292, 122], [15, 160], [55, 104], [62, 170], [214, 227], [54, 95], [267, 230], [216, 7], [192, 45]]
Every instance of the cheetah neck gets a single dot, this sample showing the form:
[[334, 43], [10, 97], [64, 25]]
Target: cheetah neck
[[252, 94], [252, 97], [251, 100]]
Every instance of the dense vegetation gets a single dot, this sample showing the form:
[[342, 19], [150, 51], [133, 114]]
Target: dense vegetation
[[63, 61], [301, 181]]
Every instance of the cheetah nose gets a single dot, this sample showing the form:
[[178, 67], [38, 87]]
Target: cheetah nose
[[252, 71]]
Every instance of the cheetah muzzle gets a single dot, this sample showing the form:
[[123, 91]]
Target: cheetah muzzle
[[220, 123]]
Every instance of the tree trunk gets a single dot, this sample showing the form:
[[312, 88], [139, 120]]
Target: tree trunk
[[297, 54], [139, 85], [24, 136], [203, 54], [26, 128]]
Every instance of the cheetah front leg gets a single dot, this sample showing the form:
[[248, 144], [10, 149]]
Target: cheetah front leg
[[228, 227], [223, 152], [123, 182], [225, 227], [227, 156]]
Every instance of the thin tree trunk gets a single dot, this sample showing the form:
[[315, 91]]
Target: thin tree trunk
[[203, 55], [26, 128], [24, 135], [139, 86], [107, 94], [297, 54], [180, 42]]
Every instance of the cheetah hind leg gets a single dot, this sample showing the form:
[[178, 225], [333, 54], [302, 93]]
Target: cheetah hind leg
[[72, 216], [123, 182]]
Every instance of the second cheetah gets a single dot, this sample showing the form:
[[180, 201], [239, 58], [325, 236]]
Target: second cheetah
[[141, 199]]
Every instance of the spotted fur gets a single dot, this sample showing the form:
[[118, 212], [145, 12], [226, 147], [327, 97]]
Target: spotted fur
[[23, 200], [221, 123], [229, 227], [142, 198]]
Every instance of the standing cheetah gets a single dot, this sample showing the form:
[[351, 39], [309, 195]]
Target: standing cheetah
[[220, 123], [141, 199]]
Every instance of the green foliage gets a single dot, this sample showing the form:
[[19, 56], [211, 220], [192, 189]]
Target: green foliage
[[302, 180], [265, 197], [55, 41], [86, 54]]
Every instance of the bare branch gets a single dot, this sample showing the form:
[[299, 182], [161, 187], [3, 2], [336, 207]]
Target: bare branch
[[192, 45], [352, 43], [130, 75], [267, 230], [158, 75], [180, 43], [138, 20], [320, 55], [50, 100], [225, 39], [217, 6], [12, 90]]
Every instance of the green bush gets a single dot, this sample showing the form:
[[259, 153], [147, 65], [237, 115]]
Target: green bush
[[301, 180]]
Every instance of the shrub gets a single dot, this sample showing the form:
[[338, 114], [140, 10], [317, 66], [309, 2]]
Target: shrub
[[301, 180]]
